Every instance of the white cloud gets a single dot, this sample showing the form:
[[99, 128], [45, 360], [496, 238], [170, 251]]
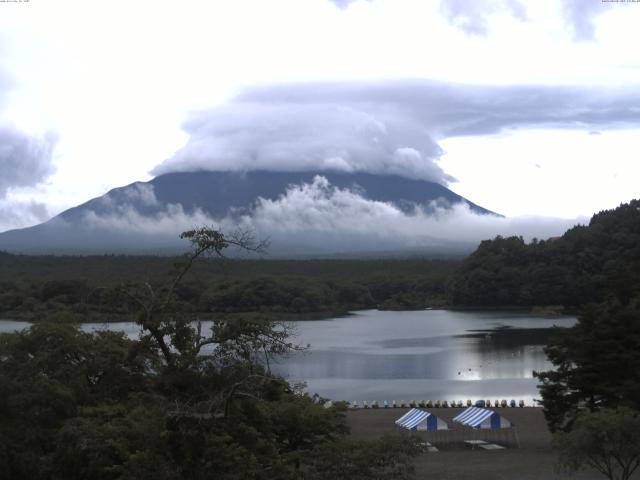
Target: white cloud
[[343, 4], [387, 127], [25, 161], [319, 208], [580, 16], [126, 219], [473, 16], [142, 193], [17, 214], [318, 218], [316, 136]]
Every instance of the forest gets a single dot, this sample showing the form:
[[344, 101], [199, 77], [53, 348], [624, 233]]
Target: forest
[[589, 263], [586, 264], [90, 288]]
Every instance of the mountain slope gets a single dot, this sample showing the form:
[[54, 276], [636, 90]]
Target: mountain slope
[[147, 216]]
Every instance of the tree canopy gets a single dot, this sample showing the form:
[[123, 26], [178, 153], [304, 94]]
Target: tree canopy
[[596, 363], [587, 264], [607, 441], [178, 402]]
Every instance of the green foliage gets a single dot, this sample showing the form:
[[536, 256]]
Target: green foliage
[[607, 440], [46, 375], [75, 405], [33, 287], [596, 363], [587, 264], [176, 403]]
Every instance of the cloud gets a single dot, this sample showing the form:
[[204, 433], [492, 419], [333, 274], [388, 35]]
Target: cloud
[[127, 219], [6, 83], [343, 4], [136, 210], [16, 214], [319, 218], [580, 16], [291, 136], [384, 127], [142, 193], [472, 17], [25, 161], [319, 208]]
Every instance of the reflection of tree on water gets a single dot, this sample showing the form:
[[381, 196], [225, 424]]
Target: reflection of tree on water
[[508, 338]]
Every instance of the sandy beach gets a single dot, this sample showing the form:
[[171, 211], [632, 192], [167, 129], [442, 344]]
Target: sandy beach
[[534, 459]]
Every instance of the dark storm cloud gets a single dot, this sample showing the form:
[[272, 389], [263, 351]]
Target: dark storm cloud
[[472, 16], [387, 127], [25, 161]]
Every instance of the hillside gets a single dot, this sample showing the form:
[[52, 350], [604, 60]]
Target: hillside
[[587, 264]]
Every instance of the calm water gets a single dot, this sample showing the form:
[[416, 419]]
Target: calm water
[[432, 354]]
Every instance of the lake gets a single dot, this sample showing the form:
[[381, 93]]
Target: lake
[[416, 355], [430, 355]]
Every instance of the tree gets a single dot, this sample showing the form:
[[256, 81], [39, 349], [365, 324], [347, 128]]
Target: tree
[[48, 375], [176, 403], [164, 327], [596, 364], [607, 440]]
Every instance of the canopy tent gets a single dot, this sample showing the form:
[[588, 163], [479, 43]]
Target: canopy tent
[[476, 417], [416, 419]]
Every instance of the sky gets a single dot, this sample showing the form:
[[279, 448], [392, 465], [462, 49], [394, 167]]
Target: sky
[[527, 108]]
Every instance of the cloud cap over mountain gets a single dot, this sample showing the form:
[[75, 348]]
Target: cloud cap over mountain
[[384, 127]]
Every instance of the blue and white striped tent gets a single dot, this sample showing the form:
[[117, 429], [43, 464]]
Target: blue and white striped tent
[[422, 420], [476, 417]]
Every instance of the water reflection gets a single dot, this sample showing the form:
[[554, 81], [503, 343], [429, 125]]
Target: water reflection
[[429, 354], [436, 354]]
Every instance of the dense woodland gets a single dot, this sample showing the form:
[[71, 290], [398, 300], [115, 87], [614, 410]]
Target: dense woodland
[[589, 263], [33, 287]]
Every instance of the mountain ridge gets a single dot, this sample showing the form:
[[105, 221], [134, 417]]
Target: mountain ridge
[[215, 195]]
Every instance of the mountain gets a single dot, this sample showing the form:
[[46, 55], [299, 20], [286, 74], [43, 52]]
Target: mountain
[[147, 216]]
